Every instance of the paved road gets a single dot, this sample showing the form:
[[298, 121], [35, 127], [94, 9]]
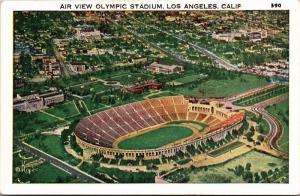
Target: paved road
[[276, 129], [222, 62], [176, 56], [58, 163], [63, 67], [140, 37]]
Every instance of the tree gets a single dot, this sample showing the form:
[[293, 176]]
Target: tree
[[249, 136], [139, 157], [119, 156], [192, 167], [65, 133], [248, 166], [248, 176], [256, 177], [96, 157], [259, 129], [180, 154], [270, 172], [239, 170], [74, 144], [25, 61], [260, 138], [235, 133], [228, 136], [59, 179], [264, 175]]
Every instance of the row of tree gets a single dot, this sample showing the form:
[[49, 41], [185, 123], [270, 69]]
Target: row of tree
[[258, 177]]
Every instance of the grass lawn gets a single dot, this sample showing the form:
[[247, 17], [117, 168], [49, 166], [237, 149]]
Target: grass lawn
[[281, 112], [225, 149], [53, 146], [64, 110], [89, 87], [50, 144], [223, 88], [91, 105], [259, 161], [162, 94], [47, 173], [98, 110], [156, 138], [187, 79], [131, 78], [25, 123], [262, 123], [110, 75], [265, 127], [219, 173]]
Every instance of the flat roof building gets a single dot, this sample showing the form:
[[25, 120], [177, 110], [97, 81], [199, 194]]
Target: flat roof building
[[164, 69], [37, 102], [87, 32], [138, 88], [78, 67]]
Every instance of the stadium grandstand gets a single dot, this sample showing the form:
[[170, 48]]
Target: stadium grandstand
[[98, 133]]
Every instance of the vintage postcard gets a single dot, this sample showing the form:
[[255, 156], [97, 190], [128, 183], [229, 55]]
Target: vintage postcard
[[149, 97]]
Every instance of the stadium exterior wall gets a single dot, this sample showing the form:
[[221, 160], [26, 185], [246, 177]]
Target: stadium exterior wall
[[148, 154]]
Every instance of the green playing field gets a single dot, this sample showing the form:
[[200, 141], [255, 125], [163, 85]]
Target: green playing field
[[156, 138]]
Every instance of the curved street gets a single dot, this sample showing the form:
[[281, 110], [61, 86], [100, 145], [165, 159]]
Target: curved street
[[276, 129]]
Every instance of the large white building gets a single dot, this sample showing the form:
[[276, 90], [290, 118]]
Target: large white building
[[228, 37], [37, 102], [164, 69], [253, 35]]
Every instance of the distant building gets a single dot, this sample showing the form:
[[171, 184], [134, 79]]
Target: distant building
[[139, 60], [37, 102], [52, 97], [16, 57], [38, 56], [52, 69], [88, 16], [18, 83], [279, 69], [165, 69], [78, 67], [227, 37], [255, 36], [48, 59], [87, 32], [138, 88], [170, 18]]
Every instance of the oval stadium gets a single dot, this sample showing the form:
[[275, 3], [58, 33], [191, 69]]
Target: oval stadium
[[156, 127]]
